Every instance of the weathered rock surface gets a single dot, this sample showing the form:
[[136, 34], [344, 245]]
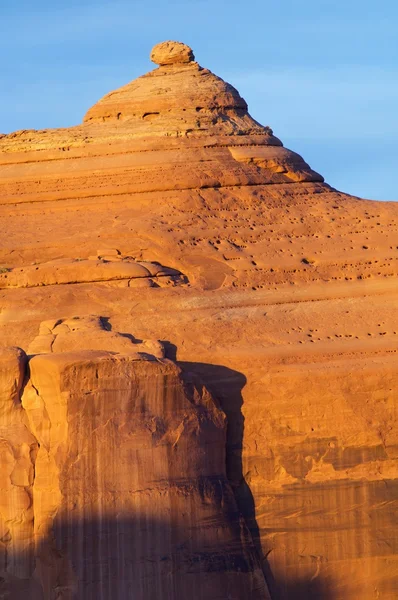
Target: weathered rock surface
[[283, 300], [18, 449], [114, 477], [68, 271], [90, 333], [131, 497], [169, 53]]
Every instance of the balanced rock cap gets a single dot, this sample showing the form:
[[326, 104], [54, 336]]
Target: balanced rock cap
[[170, 53]]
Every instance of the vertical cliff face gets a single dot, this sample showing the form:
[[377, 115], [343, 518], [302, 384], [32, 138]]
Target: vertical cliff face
[[18, 449], [115, 483], [320, 460]]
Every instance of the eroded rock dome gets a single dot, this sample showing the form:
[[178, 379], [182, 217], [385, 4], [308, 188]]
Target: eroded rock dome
[[178, 97]]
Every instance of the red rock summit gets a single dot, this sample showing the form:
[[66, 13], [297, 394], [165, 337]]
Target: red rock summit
[[198, 358], [180, 85], [171, 53]]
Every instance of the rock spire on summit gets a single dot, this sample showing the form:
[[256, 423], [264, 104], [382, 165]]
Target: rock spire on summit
[[170, 53]]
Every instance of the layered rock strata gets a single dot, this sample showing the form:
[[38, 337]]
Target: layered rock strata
[[112, 269], [283, 299]]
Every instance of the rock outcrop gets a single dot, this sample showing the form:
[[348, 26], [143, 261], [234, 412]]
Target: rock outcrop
[[278, 291], [114, 481], [112, 269]]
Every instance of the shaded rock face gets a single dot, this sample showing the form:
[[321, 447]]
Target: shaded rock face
[[178, 217], [115, 483], [18, 450]]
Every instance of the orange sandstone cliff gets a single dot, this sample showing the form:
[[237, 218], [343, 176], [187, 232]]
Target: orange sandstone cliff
[[198, 364]]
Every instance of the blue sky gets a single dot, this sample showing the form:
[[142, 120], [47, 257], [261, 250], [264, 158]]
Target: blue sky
[[323, 74]]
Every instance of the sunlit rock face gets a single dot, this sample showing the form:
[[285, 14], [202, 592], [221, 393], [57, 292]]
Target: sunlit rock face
[[131, 498], [171, 214], [114, 477]]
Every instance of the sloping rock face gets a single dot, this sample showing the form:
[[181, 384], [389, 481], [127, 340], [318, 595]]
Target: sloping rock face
[[175, 215]]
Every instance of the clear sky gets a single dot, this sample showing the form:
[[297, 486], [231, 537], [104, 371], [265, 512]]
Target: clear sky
[[322, 73]]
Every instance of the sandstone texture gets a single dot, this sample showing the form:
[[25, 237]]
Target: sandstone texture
[[131, 496], [169, 53], [114, 481], [207, 405], [18, 450]]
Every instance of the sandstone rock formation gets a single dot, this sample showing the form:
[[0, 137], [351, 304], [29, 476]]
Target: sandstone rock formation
[[92, 269], [278, 291], [113, 478], [169, 53]]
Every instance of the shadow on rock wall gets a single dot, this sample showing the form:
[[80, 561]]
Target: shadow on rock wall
[[136, 558], [303, 589], [226, 386], [140, 557]]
